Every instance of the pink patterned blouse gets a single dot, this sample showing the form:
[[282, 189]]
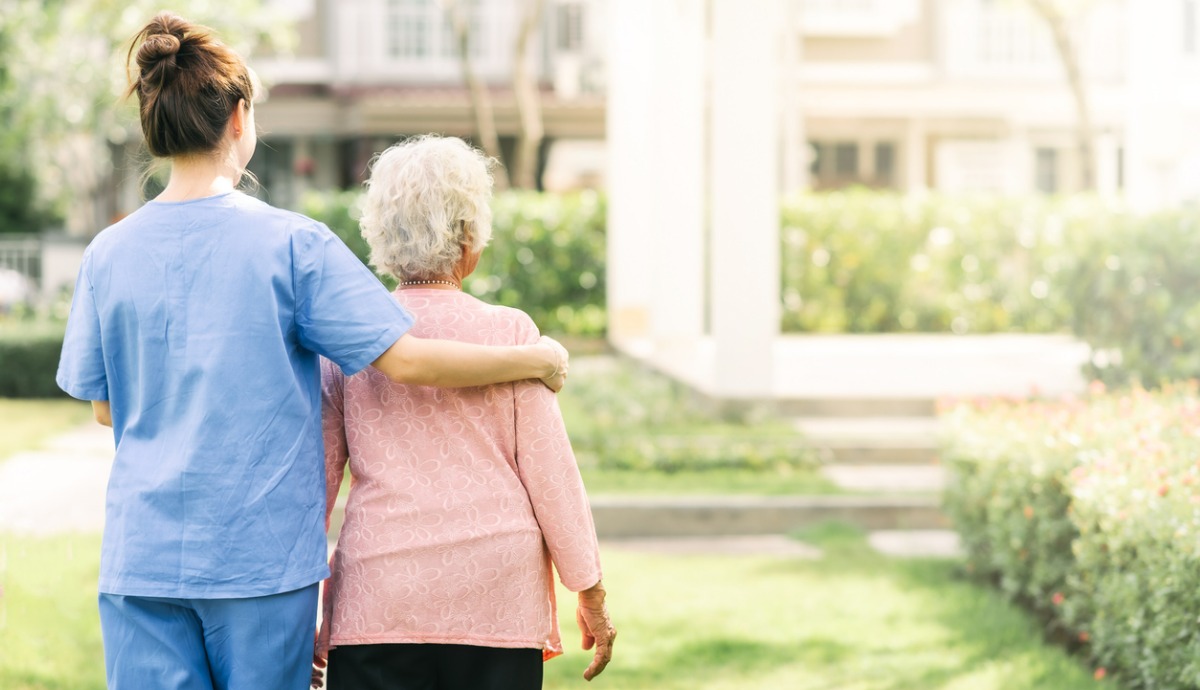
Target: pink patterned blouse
[[459, 501]]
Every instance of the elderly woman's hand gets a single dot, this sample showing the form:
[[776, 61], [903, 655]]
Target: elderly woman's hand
[[597, 629], [558, 379]]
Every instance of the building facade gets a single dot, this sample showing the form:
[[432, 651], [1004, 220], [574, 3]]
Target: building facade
[[952, 95], [369, 72], [972, 96]]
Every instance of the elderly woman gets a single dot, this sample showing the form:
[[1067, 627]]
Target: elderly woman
[[460, 500]]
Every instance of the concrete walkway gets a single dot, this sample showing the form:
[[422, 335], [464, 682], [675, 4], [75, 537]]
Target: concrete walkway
[[59, 488]]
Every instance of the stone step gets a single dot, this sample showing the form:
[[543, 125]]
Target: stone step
[[924, 479], [928, 543], [620, 517], [856, 407], [872, 440]]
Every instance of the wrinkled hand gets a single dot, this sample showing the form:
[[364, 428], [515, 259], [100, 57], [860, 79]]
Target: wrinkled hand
[[318, 672], [597, 629], [319, 662], [558, 379]]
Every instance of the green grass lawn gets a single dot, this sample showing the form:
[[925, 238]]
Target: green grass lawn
[[852, 621], [25, 424], [49, 627]]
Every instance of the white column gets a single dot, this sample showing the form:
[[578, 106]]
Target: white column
[[745, 201], [631, 179], [677, 167], [1154, 128], [795, 147]]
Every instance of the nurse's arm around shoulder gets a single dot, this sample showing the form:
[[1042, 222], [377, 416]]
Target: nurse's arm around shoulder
[[102, 412], [451, 364]]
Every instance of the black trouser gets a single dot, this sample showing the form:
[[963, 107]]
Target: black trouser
[[433, 667]]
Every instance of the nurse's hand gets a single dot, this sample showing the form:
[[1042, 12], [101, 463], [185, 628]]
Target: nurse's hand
[[597, 629], [558, 379]]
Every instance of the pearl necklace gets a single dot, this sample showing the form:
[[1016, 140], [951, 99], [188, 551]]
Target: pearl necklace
[[408, 283]]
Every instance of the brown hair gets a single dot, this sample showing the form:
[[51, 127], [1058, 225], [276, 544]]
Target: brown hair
[[188, 84]]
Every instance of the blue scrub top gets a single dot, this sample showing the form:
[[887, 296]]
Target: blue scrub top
[[202, 322]]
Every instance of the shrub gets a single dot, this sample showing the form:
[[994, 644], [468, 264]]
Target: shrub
[[1127, 284], [871, 262], [29, 353], [547, 255], [1089, 512]]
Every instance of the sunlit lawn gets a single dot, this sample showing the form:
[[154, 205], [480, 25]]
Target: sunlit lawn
[[26, 424], [852, 621], [849, 622], [49, 627]]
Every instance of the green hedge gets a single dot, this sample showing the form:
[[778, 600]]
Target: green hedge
[[1127, 284], [873, 262], [547, 255], [1089, 512], [29, 354]]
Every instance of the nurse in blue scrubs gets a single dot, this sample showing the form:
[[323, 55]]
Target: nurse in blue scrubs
[[195, 330]]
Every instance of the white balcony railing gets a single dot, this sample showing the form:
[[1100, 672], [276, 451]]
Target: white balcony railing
[[983, 39], [410, 42], [856, 18]]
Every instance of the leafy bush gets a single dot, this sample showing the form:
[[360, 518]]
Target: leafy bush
[[1127, 284], [29, 353], [547, 255], [20, 211], [1089, 512], [870, 262]]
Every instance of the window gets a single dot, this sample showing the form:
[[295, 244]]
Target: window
[[845, 160], [569, 27], [1046, 172], [421, 30], [885, 164], [408, 24]]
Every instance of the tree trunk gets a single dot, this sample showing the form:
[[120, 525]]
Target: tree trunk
[[529, 106], [1055, 21], [481, 102]]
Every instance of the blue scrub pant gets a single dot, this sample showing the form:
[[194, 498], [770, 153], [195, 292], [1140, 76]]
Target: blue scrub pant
[[258, 643]]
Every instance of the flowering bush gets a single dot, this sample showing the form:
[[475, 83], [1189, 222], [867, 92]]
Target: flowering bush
[[1089, 512]]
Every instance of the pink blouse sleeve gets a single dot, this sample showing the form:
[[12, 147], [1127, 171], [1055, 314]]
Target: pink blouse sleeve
[[333, 427], [547, 468]]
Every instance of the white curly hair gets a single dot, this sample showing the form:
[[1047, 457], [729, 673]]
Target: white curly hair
[[426, 196]]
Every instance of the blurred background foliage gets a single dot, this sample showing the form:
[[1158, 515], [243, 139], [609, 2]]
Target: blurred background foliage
[[62, 74], [874, 262], [546, 257]]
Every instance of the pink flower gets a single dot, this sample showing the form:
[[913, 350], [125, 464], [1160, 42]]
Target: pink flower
[[1100, 673], [1058, 598]]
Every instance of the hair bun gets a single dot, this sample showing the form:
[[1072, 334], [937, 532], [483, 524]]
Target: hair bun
[[158, 51]]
